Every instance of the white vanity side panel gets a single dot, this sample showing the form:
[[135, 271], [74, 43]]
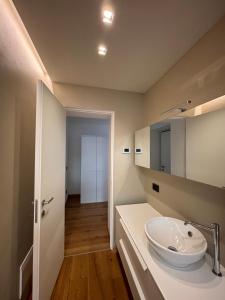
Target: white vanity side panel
[[124, 260], [142, 284], [196, 283], [142, 141]]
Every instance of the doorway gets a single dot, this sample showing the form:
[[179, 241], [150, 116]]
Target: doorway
[[98, 136], [87, 165], [50, 186]]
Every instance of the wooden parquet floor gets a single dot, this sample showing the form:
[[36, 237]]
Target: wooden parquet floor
[[93, 276], [90, 270], [86, 228]]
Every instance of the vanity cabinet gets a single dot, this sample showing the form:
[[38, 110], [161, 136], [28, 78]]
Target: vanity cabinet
[[149, 276], [140, 280], [142, 147]]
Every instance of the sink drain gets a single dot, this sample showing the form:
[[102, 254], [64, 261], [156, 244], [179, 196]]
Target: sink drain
[[190, 234], [172, 248]]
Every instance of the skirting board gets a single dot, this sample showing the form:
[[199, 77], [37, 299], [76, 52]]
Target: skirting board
[[25, 272]]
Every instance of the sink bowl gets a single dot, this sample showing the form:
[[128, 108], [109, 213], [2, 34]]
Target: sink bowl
[[178, 244]]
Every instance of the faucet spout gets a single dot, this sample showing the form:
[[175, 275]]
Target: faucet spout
[[215, 229]]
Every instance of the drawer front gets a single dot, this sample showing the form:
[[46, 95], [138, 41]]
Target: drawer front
[[130, 272], [146, 281]]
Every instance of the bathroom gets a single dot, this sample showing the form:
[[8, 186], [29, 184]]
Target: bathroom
[[152, 71]]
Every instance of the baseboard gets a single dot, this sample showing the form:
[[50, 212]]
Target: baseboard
[[74, 195], [25, 276]]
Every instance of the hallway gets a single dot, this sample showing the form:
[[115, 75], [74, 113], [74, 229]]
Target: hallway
[[86, 228]]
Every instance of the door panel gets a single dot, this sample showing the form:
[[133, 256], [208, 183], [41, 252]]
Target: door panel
[[94, 170], [88, 169], [88, 187], [102, 169], [49, 183], [102, 187]]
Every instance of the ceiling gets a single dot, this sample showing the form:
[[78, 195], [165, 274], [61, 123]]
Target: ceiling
[[86, 114], [146, 39]]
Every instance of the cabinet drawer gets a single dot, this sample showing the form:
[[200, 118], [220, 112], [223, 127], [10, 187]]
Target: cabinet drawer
[[132, 277], [145, 279]]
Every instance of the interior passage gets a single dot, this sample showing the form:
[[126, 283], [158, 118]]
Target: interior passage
[[86, 228]]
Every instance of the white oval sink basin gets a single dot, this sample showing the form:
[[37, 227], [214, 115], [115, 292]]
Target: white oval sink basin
[[178, 244]]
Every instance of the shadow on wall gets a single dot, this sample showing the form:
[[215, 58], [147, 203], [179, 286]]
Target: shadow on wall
[[20, 68], [130, 186], [186, 199], [16, 185], [206, 76]]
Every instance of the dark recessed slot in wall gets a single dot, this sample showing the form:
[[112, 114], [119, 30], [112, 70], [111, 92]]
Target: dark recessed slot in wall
[[155, 187]]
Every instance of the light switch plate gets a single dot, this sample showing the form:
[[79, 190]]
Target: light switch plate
[[138, 150], [126, 150]]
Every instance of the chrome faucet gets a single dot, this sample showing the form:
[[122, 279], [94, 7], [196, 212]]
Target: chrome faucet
[[215, 229]]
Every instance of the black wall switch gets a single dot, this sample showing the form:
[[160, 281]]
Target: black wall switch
[[155, 187]]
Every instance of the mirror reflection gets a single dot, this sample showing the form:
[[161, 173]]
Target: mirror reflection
[[192, 144]]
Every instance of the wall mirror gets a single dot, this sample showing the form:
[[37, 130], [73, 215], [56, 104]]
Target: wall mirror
[[191, 144]]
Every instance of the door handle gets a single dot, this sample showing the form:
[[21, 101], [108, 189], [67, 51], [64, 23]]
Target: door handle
[[45, 202]]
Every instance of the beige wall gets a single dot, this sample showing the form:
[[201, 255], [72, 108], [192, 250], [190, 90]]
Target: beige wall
[[128, 109], [198, 76], [19, 72]]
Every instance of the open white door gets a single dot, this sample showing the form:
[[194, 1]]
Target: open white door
[[49, 204]]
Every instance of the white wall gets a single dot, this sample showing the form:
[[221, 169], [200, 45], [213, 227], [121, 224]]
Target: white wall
[[76, 127], [142, 141]]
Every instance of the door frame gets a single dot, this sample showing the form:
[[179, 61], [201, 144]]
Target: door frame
[[111, 116]]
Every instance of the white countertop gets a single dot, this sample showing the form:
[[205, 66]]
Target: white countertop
[[194, 283]]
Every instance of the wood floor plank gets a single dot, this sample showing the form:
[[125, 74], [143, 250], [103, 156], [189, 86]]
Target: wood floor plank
[[79, 278], [93, 276], [106, 278], [62, 286], [86, 227], [88, 272]]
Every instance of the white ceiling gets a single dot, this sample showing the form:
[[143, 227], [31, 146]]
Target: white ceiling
[[147, 38]]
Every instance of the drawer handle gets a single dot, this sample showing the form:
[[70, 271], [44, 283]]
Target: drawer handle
[[143, 264], [132, 271]]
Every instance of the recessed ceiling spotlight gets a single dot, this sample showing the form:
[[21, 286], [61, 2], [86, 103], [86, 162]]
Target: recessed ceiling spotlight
[[102, 50], [107, 16]]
